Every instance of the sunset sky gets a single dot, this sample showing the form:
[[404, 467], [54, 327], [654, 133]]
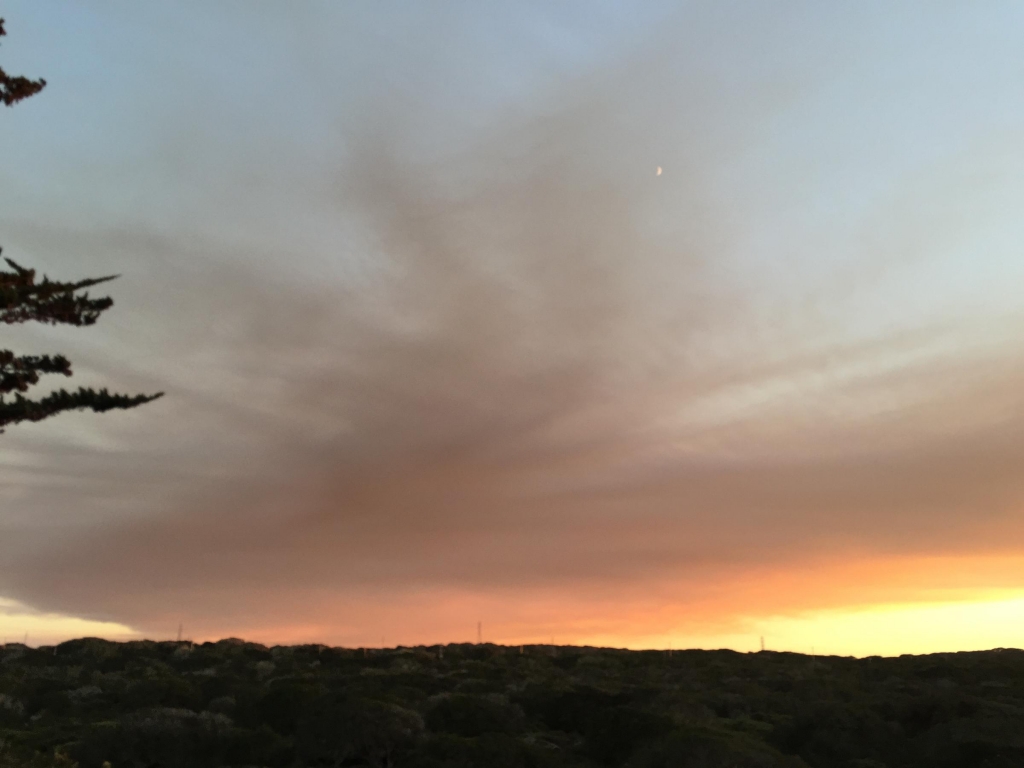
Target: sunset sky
[[440, 346]]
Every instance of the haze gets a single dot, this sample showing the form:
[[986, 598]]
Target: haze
[[440, 344]]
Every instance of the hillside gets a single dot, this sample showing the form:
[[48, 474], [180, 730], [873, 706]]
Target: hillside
[[231, 703]]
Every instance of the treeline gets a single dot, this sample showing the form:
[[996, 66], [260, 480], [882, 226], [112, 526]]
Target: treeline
[[145, 704]]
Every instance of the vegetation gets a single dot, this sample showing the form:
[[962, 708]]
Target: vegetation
[[24, 300], [15, 88], [145, 704]]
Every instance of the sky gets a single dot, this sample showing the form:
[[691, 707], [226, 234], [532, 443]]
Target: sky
[[440, 346]]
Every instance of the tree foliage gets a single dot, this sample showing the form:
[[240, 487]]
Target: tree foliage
[[23, 300], [15, 88], [233, 704]]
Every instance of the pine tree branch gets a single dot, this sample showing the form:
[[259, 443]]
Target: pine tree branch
[[24, 300], [18, 373], [25, 409], [16, 88]]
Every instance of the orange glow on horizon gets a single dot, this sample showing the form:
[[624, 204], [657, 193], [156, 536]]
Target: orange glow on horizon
[[866, 606]]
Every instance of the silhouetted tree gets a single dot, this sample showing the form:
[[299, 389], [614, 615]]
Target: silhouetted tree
[[23, 300], [14, 89]]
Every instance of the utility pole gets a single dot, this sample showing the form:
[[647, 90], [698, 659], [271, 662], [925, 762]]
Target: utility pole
[[762, 642], [479, 632], [179, 632]]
